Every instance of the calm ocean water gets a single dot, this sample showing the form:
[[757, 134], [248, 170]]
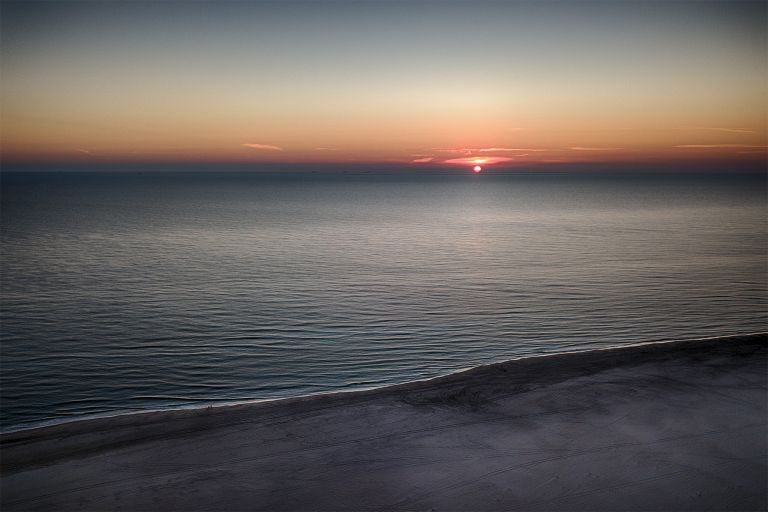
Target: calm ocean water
[[127, 291]]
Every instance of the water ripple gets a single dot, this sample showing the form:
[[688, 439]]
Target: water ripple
[[125, 292]]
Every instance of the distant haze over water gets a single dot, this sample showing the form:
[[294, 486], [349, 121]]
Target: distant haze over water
[[130, 291]]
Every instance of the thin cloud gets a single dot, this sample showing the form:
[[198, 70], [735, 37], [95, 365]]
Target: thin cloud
[[728, 130], [85, 151], [479, 161], [719, 146], [453, 150], [422, 160], [493, 150], [266, 147], [469, 151], [324, 149], [582, 148]]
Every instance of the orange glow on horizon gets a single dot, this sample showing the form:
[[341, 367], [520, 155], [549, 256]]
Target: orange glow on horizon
[[74, 89]]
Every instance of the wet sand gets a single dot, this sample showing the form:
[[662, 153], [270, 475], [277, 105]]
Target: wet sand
[[668, 426]]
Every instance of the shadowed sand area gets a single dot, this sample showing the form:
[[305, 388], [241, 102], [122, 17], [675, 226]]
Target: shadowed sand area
[[665, 426]]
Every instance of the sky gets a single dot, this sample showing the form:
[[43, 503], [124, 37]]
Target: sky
[[419, 83]]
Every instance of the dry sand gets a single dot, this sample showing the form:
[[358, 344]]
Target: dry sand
[[675, 426]]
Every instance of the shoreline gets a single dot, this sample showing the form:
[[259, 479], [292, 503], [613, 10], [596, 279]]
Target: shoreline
[[224, 404], [672, 424]]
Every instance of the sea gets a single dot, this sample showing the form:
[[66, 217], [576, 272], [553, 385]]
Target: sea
[[126, 291]]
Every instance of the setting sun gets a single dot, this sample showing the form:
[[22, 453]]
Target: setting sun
[[477, 168]]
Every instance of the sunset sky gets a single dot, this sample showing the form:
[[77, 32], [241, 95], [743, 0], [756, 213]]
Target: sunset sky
[[420, 83]]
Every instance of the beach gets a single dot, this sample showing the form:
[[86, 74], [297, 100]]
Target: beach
[[663, 426]]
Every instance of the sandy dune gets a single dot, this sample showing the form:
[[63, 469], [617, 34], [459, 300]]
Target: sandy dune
[[674, 426]]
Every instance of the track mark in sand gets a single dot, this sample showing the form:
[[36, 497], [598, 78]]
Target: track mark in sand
[[206, 467], [702, 389], [410, 502], [640, 481], [194, 434]]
